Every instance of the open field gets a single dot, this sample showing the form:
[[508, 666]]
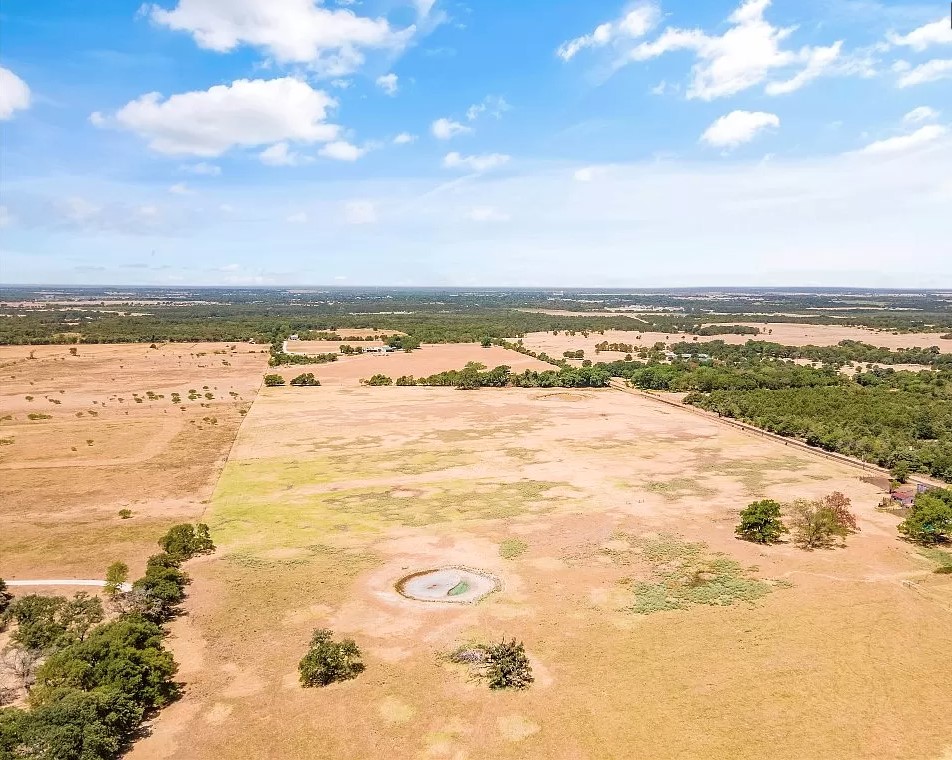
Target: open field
[[332, 494], [427, 360], [83, 438], [787, 334]]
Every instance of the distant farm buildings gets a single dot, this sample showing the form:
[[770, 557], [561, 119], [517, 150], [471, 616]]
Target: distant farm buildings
[[905, 494], [379, 350]]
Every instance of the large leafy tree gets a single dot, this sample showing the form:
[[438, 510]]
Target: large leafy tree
[[328, 661], [760, 522]]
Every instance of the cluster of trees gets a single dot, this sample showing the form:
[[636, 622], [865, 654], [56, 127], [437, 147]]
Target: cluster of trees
[[691, 376], [305, 379], [727, 330], [814, 524], [279, 358], [820, 523], [580, 354], [91, 683], [844, 352], [475, 375]]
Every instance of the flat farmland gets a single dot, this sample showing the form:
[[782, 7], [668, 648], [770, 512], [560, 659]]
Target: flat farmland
[[580, 503], [86, 435], [427, 360], [787, 334]]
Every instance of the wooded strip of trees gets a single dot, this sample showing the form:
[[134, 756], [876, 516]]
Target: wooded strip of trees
[[92, 683]]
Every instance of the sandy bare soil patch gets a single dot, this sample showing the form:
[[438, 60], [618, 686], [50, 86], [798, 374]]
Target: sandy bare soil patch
[[333, 494], [427, 360], [79, 446], [779, 332]]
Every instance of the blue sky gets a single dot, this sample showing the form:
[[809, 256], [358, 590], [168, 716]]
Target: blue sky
[[494, 143]]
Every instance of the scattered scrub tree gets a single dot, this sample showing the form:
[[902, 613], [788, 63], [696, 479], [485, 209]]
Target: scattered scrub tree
[[508, 666], [328, 661], [760, 522]]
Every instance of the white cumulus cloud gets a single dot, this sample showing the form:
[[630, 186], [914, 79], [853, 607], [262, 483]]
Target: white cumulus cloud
[[404, 138], [635, 23], [750, 52], [341, 150], [938, 32], [389, 83], [930, 71], [330, 41], [738, 127], [480, 163], [280, 154], [14, 94], [444, 129], [245, 113]]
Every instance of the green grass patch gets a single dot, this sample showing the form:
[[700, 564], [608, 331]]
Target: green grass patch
[[257, 507], [942, 559], [688, 574], [679, 488], [511, 548]]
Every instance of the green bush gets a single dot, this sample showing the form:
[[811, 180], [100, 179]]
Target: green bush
[[328, 661], [760, 522]]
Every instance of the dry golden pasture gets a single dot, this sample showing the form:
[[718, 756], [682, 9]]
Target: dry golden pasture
[[788, 334], [331, 494], [91, 449]]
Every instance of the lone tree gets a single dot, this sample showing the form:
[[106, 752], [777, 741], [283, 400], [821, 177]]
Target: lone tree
[[816, 525], [508, 666], [328, 661], [760, 522], [930, 519], [116, 574]]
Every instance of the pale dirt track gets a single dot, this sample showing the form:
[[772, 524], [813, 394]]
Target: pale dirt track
[[66, 582]]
